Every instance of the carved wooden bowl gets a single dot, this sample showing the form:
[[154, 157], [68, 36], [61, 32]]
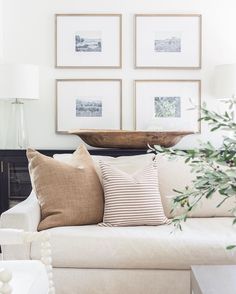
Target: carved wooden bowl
[[128, 139]]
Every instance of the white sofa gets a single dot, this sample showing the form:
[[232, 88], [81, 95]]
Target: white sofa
[[131, 260]]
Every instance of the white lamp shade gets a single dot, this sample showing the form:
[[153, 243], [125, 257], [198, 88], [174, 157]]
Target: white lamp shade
[[225, 81], [19, 81]]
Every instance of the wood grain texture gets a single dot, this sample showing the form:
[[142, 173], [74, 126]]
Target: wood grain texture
[[128, 139]]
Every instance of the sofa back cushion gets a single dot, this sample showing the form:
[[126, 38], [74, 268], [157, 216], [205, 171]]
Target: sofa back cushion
[[176, 174], [68, 193], [128, 164], [172, 174]]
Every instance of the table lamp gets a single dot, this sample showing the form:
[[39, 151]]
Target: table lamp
[[225, 81], [18, 82]]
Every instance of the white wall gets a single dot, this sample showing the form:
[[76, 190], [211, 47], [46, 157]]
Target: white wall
[[28, 37], [2, 103]]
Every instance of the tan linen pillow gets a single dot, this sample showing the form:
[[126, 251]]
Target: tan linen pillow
[[68, 194], [132, 199]]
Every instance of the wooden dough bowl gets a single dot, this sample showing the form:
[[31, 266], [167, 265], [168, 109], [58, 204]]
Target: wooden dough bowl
[[129, 139]]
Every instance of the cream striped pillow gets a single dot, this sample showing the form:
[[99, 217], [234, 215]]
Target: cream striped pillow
[[132, 200]]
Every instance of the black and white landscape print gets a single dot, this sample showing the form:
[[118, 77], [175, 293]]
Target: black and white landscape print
[[88, 41], [88, 107], [167, 42], [167, 106]]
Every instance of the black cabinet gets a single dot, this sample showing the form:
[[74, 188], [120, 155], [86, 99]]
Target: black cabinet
[[15, 185], [15, 181]]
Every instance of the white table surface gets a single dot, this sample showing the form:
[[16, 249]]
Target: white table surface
[[213, 279]]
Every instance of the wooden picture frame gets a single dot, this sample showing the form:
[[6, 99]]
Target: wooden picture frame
[[88, 104], [167, 105], [168, 41], [88, 40]]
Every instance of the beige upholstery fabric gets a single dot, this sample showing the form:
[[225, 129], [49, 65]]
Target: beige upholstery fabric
[[109, 281], [172, 174], [128, 164], [132, 199], [176, 174], [68, 194], [202, 241], [25, 216]]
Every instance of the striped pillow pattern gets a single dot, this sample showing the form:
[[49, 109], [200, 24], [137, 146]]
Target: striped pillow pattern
[[132, 200]]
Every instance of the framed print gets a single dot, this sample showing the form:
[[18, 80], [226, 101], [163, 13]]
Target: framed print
[[88, 40], [167, 105], [88, 104], [168, 41]]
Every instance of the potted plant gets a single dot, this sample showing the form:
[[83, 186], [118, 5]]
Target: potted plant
[[215, 168]]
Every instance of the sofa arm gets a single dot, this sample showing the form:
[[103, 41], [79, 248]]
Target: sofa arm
[[24, 216]]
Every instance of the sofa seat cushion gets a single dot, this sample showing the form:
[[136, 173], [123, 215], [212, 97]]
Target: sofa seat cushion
[[202, 241]]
